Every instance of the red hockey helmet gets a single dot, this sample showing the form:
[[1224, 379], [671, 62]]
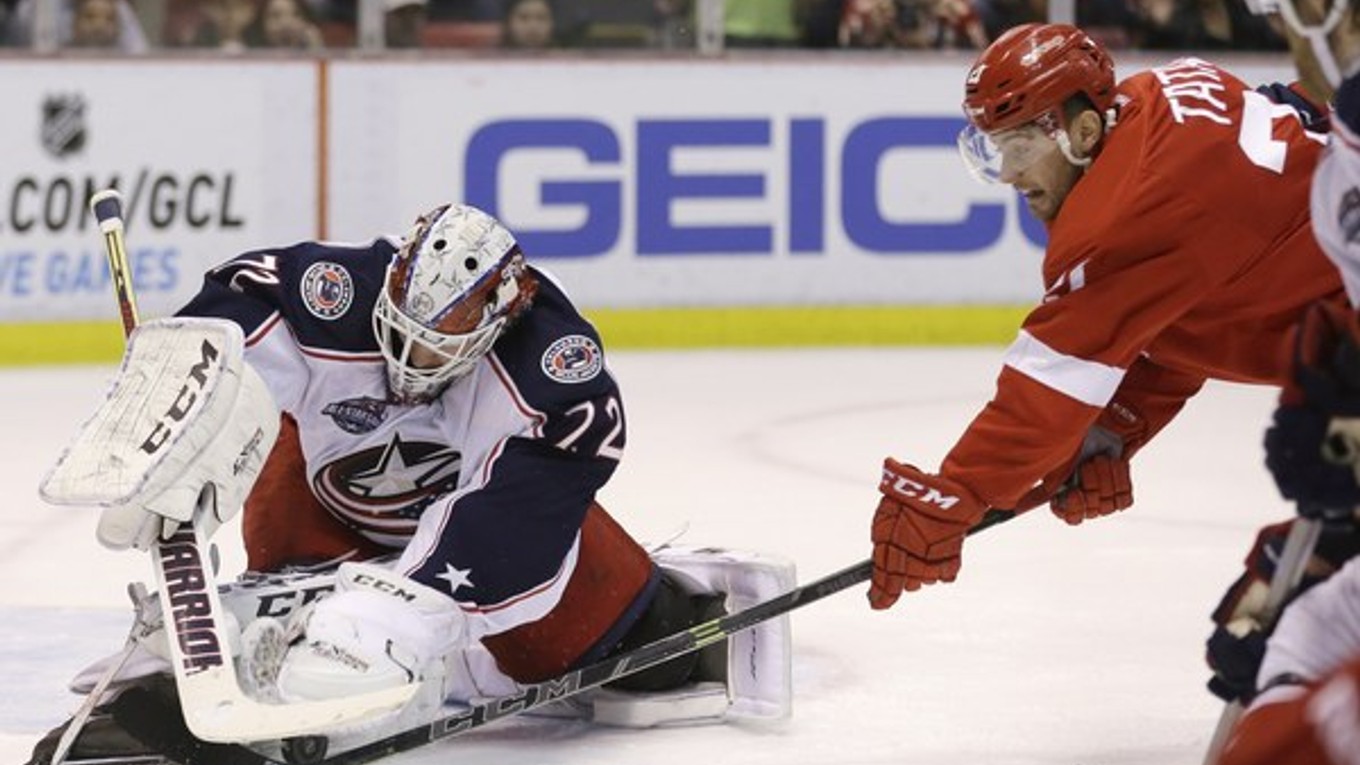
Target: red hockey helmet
[[1031, 70]]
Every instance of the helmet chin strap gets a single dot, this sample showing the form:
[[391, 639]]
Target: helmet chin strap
[[1065, 146], [1065, 143]]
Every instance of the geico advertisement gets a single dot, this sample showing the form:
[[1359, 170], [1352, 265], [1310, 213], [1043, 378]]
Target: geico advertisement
[[640, 183], [211, 159], [693, 183]]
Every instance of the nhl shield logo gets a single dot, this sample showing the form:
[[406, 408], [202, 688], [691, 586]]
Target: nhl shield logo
[[63, 124]]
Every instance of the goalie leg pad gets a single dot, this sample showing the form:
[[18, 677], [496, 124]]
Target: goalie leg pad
[[760, 659]]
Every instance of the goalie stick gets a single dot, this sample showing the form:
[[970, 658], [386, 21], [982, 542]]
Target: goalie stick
[[311, 750], [215, 708], [142, 625], [1289, 571]]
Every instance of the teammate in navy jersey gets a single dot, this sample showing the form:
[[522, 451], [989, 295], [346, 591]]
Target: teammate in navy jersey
[[447, 418]]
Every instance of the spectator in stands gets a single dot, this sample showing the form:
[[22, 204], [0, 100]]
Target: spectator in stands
[[529, 25], [911, 24], [404, 22], [1202, 25], [210, 23], [468, 10], [95, 24], [129, 38], [283, 24], [1109, 22]]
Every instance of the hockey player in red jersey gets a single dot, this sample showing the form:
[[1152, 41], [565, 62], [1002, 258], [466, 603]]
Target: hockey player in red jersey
[[1179, 251]]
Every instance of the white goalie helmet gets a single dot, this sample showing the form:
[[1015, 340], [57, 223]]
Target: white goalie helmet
[[449, 292]]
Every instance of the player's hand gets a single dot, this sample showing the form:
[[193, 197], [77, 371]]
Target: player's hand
[[1313, 443], [1100, 485], [1237, 644], [918, 531]]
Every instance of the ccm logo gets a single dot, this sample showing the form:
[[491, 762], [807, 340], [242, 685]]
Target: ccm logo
[[927, 494], [195, 382]]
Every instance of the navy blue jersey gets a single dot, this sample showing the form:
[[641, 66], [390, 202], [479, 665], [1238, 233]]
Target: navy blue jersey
[[484, 489]]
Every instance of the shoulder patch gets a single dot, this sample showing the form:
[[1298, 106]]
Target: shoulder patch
[[327, 290], [573, 359]]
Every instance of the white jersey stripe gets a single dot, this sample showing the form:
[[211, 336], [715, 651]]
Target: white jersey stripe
[[1089, 382]]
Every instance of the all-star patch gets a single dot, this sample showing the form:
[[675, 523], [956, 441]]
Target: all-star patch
[[357, 415], [573, 359], [327, 290]]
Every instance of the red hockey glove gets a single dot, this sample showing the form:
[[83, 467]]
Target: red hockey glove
[[1100, 486], [1100, 483], [918, 531]]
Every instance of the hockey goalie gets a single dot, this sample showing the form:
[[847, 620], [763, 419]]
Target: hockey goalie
[[414, 431]]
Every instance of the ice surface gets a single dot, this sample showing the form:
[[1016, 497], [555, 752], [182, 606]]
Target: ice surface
[[1058, 645]]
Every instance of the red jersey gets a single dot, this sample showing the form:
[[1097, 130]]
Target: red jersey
[[1319, 726], [1183, 254]]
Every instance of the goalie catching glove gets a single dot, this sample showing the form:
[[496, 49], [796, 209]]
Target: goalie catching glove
[[918, 531], [185, 414]]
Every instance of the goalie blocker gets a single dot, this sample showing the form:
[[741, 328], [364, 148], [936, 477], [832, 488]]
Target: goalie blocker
[[185, 414]]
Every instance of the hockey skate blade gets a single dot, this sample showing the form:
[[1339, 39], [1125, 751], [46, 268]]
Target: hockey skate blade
[[240, 719]]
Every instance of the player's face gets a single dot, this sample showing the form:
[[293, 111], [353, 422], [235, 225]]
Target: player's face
[[423, 357], [1034, 165]]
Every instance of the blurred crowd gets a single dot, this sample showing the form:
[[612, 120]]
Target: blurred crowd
[[136, 26]]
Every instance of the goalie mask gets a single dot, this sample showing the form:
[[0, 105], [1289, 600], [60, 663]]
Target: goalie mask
[[450, 291], [1015, 93]]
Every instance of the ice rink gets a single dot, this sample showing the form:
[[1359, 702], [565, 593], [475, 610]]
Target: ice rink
[[1058, 645]]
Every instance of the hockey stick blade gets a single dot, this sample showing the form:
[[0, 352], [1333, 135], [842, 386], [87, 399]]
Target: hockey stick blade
[[594, 675]]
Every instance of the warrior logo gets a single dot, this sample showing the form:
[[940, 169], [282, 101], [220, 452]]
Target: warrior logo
[[357, 415], [63, 125], [190, 607], [573, 359], [327, 290]]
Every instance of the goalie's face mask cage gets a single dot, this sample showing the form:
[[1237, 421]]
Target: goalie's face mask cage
[[1335, 47], [449, 292], [1015, 92]]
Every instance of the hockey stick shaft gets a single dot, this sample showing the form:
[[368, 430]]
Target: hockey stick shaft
[[1289, 570], [594, 675], [107, 206], [137, 593]]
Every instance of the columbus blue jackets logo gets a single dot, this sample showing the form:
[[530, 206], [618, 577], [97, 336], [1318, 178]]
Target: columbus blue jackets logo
[[382, 491], [573, 359], [357, 415], [63, 125], [327, 290]]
